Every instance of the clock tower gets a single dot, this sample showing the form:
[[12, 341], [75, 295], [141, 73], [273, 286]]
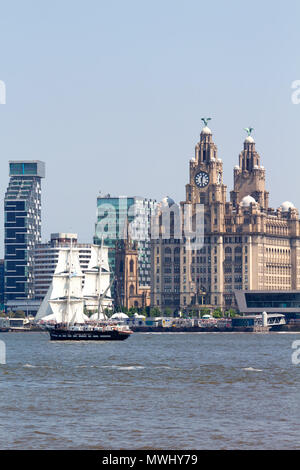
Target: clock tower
[[202, 276], [245, 245], [206, 173], [249, 175]]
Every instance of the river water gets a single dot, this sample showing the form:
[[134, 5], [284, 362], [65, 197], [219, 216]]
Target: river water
[[152, 391]]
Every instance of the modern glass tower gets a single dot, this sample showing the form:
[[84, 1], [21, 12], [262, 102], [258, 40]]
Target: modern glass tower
[[1, 283], [114, 214], [22, 207]]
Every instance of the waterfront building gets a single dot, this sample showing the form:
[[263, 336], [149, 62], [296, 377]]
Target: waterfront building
[[22, 210], [113, 215], [165, 258], [46, 258], [246, 245], [269, 301]]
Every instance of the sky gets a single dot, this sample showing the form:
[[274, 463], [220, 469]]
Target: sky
[[110, 95]]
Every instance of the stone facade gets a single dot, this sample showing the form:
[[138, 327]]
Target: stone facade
[[246, 244], [128, 291]]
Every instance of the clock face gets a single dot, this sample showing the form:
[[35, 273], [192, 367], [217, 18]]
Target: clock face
[[202, 179], [219, 178]]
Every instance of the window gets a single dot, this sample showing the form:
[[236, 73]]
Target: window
[[131, 290], [29, 168], [10, 217], [131, 265]]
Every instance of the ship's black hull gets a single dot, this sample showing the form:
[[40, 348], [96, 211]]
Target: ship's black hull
[[92, 335]]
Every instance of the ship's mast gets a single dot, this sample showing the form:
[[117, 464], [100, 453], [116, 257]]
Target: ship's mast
[[69, 283], [99, 285]]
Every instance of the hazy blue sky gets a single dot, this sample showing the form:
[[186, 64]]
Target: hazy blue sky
[[111, 94]]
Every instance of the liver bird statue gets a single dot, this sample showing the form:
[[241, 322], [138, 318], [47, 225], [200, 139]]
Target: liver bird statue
[[205, 120], [249, 130]]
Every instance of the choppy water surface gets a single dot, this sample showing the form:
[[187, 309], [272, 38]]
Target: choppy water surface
[[153, 391]]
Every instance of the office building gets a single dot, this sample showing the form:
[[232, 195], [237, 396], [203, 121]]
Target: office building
[[114, 214], [22, 208], [46, 258], [1, 283]]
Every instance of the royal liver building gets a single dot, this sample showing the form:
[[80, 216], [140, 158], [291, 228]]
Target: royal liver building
[[246, 244]]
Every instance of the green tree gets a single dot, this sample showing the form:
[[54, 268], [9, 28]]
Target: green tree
[[88, 313], [168, 312], [217, 313], [108, 312], [155, 312], [132, 311], [230, 313], [193, 313], [143, 311], [204, 311]]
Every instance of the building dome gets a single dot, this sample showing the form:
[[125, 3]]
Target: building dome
[[286, 205], [206, 130], [167, 201], [247, 200], [249, 140]]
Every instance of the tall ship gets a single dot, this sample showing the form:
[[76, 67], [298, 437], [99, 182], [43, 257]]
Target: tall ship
[[97, 284], [75, 304]]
